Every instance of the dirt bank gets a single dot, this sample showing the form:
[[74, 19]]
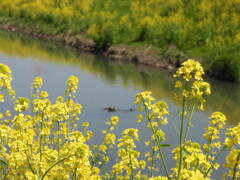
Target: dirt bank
[[139, 55]]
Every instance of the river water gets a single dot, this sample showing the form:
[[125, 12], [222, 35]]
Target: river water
[[104, 83]]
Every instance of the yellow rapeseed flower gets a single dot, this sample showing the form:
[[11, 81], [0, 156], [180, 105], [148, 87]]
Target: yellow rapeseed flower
[[190, 69]]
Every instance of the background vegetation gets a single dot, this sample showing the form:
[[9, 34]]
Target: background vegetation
[[208, 30]]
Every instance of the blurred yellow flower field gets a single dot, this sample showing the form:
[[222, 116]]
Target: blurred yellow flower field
[[201, 29]]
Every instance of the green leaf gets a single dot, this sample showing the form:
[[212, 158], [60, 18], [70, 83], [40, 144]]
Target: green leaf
[[175, 127], [37, 171], [55, 165], [4, 161], [186, 151], [165, 145]]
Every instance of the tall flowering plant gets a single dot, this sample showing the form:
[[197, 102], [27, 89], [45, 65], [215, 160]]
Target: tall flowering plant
[[193, 161], [40, 139]]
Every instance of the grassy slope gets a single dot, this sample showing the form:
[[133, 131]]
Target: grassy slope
[[207, 30]]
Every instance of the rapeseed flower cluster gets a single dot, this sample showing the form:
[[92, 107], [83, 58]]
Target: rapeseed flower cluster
[[72, 84], [194, 161], [45, 140], [21, 104], [191, 75], [232, 142], [5, 82], [128, 166], [155, 113], [212, 132], [193, 88], [233, 137], [39, 141], [101, 151], [190, 69], [36, 85]]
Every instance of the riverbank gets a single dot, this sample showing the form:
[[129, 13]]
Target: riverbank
[[143, 54], [139, 54], [152, 32]]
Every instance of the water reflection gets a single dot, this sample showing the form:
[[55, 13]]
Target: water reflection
[[225, 97]]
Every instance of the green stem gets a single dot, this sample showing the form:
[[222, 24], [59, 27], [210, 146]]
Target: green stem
[[130, 158], [181, 134], [37, 173], [114, 176], [55, 165], [41, 127], [162, 157], [95, 159], [40, 143], [58, 139], [68, 123], [220, 152], [158, 143], [75, 171], [152, 162], [101, 142], [3, 161], [209, 142], [235, 167], [104, 162], [189, 122], [29, 164]]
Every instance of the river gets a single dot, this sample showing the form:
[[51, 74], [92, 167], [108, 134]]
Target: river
[[104, 83]]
